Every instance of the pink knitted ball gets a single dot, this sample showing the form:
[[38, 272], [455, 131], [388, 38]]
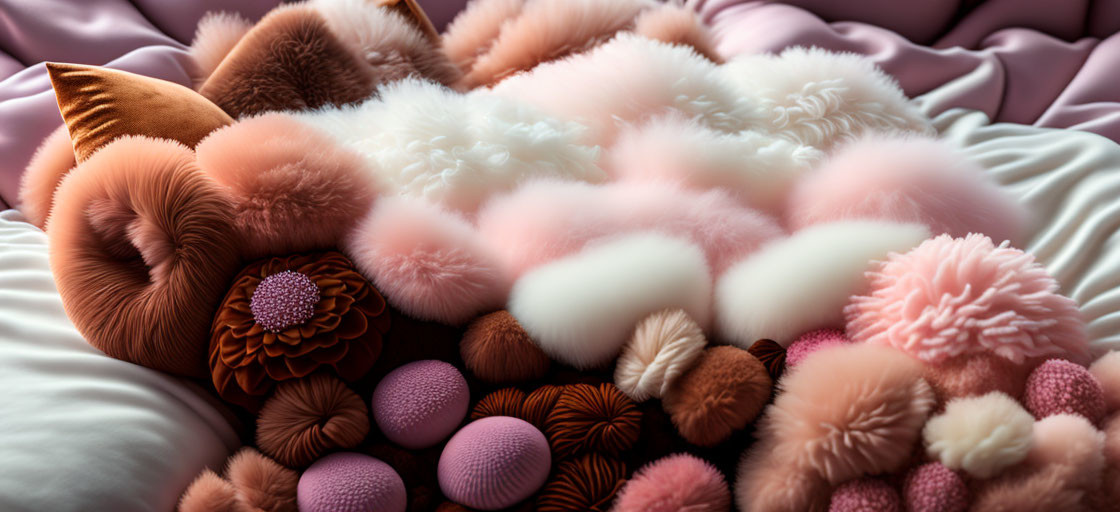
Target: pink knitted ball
[[420, 403], [813, 341], [933, 487], [494, 463], [1058, 386], [674, 483], [350, 482], [865, 495]]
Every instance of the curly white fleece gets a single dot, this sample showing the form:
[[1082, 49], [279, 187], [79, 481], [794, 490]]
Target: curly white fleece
[[425, 141], [820, 98], [981, 435], [664, 346]]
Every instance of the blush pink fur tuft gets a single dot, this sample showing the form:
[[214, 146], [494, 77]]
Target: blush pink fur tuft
[[1107, 371], [680, 25], [675, 483], [1071, 441], [473, 31], [261, 482], [294, 188], [767, 483], [949, 297], [906, 179], [52, 161], [546, 220], [210, 493], [216, 35], [428, 262]]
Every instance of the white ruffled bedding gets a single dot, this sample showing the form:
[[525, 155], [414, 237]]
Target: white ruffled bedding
[[81, 431]]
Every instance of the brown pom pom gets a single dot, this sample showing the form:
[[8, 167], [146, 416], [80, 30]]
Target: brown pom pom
[[210, 493], [539, 404], [262, 483], [772, 355], [497, 349], [308, 417], [592, 419], [723, 392], [588, 482], [503, 402]]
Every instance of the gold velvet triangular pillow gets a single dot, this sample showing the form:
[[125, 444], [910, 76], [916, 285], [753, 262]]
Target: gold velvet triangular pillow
[[101, 104]]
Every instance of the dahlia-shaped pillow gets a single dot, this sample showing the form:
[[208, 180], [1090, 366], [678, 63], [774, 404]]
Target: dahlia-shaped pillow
[[455, 150], [820, 98], [953, 296]]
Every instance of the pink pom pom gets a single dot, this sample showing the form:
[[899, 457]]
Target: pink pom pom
[[905, 179], [949, 297], [350, 481], [677, 482], [811, 342], [865, 495], [933, 487], [494, 463], [1058, 386], [428, 262], [420, 403]]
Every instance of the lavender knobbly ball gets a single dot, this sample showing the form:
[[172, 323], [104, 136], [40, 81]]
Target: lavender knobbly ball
[[282, 300]]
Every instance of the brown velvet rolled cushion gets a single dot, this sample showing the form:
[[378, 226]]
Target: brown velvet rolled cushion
[[141, 249], [289, 61], [309, 417], [588, 483], [725, 390], [100, 105], [495, 348]]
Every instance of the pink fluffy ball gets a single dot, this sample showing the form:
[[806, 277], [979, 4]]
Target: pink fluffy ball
[[811, 342], [351, 482], [865, 495], [494, 463], [905, 179], [674, 483], [1059, 386], [428, 262], [420, 403], [953, 296], [933, 487]]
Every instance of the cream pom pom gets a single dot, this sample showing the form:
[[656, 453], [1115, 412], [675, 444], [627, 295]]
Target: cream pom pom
[[981, 435], [663, 347]]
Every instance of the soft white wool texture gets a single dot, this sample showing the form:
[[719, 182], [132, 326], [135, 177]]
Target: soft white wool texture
[[981, 435], [820, 98], [456, 150], [802, 283], [759, 169], [217, 33], [580, 309], [663, 347], [631, 79]]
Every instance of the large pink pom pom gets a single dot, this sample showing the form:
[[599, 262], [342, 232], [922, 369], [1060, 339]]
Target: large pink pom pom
[[949, 297], [933, 487], [865, 495], [813, 341], [674, 483], [1058, 386]]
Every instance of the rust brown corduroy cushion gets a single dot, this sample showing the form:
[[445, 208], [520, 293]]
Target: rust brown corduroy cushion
[[100, 105], [289, 61]]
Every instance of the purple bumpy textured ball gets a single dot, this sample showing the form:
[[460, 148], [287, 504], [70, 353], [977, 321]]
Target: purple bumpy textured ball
[[420, 403], [933, 487], [284, 300], [351, 482], [494, 463], [1058, 386], [863, 495]]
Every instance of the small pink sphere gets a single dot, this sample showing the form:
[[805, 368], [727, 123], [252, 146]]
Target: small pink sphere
[[350, 482], [674, 483], [1058, 386], [865, 495], [494, 463], [933, 487], [813, 341], [420, 403]]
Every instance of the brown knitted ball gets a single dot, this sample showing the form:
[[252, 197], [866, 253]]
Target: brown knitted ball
[[588, 482], [590, 418], [539, 404], [306, 418], [771, 354], [723, 392], [497, 349], [503, 402]]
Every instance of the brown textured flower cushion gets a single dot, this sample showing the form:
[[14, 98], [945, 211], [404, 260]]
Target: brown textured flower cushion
[[141, 249], [286, 317], [100, 105]]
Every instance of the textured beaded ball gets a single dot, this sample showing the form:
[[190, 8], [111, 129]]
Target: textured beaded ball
[[1058, 386], [420, 403], [284, 299], [811, 342], [933, 487], [863, 495], [350, 482], [494, 463]]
